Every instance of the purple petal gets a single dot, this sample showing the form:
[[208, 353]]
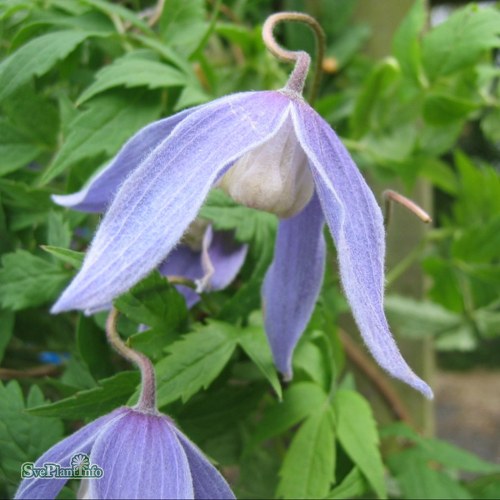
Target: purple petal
[[226, 257], [356, 223], [208, 482], [141, 458], [182, 261], [293, 282], [164, 193], [98, 193], [61, 453]]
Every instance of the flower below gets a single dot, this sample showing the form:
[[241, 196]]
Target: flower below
[[143, 455]]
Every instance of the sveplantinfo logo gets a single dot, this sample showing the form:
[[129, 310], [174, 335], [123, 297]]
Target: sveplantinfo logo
[[80, 467]]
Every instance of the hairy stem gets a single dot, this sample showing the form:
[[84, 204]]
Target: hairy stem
[[147, 399], [300, 58]]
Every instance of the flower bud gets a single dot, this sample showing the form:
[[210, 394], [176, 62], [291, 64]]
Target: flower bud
[[274, 176]]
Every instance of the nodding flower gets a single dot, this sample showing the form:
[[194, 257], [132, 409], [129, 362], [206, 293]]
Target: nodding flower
[[269, 150]]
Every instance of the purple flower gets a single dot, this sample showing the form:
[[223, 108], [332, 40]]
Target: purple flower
[[269, 150], [211, 263], [142, 455]]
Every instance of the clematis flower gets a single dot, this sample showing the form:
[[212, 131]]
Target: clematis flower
[[269, 150], [142, 455]]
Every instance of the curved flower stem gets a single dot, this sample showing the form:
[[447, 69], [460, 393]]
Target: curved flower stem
[[147, 399], [300, 58], [392, 196]]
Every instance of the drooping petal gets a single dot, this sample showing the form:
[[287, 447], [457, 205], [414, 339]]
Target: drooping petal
[[293, 282], [162, 196], [356, 223], [225, 256], [141, 458], [185, 262], [208, 482], [61, 453], [99, 191]]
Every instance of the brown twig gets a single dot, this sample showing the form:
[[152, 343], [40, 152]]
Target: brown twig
[[391, 196], [36, 371]]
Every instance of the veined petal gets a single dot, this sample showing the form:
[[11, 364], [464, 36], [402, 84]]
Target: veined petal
[[222, 257], [99, 191], [185, 262], [164, 193], [61, 453], [293, 282], [141, 458], [208, 482], [356, 223]]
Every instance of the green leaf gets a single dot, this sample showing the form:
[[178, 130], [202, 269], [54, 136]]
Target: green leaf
[[92, 403], [309, 464], [183, 25], [299, 401], [460, 40], [66, 255], [352, 486], [23, 437], [107, 122], [6, 330], [357, 433], [132, 71], [249, 225], [36, 58], [418, 480], [490, 125], [420, 319], [58, 231], [406, 43], [444, 109], [155, 303], [27, 280], [383, 75], [16, 148], [194, 361], [254, 342]]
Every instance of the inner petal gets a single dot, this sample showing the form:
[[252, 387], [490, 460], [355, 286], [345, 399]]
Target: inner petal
[[274, 176]]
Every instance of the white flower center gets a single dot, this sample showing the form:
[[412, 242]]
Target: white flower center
[[273, 177]]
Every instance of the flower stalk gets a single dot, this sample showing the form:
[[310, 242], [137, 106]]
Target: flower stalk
[[301, 59], [147, 398], [391, 196]]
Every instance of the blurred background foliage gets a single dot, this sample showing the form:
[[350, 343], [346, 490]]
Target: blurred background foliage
[[79, 77]]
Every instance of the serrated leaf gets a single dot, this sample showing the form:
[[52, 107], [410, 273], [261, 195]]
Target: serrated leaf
[[254, 342], [299, 401], [16, 148], [357, 433], [155, 303], [460, 40], [194, 362], [37, 57], [58, 231], [309, 464], [133, 72], [66, 255], [23, 437], [27, 280], [92, 403], [107, 122], [406, 43]]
